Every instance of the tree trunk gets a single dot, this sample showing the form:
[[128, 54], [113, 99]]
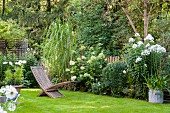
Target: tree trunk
[[127, 15], [145, 18], [48, 6], [3, 7]]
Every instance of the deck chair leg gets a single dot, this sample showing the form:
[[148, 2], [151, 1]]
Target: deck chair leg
[[42, 93]]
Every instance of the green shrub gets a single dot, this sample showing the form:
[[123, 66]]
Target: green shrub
[[114, 80], [29, 80]]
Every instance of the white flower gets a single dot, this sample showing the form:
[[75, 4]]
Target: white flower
[[89, 61], [83, 57], [78, 59], [149, 37], [18, 63], [23, 61], [11, 106], [82, 68], [145, 65], [134, 46], [101, 56], [93, 58], [157, 48], [137, 35], [67, 70], [73, 78], [72, 72], [5, 62], [10, 63], [91, 48], [82, 47], [140, 43], [124, 71], [145, 52], [131, 40], [11, 92], [72, 62], [86, 75], [138, 59]]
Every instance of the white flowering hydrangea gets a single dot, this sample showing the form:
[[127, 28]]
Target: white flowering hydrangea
[[101, 56], [131, 40], [72, 63]]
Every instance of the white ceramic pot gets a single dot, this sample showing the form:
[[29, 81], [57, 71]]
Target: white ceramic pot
[[155, 96]]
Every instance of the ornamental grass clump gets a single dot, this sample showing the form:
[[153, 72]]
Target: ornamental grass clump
[[145, 61]]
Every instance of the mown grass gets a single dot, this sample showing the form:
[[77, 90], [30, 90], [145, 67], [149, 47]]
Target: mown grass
[[80, 102]]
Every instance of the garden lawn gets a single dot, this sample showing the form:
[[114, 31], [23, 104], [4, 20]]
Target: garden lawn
[[81, 102]]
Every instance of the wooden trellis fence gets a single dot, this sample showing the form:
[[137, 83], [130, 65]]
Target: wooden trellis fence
[[19, 48]]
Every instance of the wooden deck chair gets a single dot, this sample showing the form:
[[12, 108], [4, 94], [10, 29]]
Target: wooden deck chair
[[47, 87]]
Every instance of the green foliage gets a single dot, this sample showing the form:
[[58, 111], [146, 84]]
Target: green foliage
[[10, 31], [145, 61], [57, 49], [114, 80], [29, 79], [14, 77], [100, 22], [86, 66]]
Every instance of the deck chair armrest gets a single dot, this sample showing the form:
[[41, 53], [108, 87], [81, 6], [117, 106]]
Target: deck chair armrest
[[59, 85]]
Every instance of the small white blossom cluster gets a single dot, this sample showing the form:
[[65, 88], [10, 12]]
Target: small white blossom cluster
[[148, 48], [10, 92], [101, 56], [73, 78], [20, 62], [72, 63]]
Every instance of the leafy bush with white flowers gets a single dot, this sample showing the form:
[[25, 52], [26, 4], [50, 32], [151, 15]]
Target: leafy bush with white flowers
[[10, 93], [86, 66], [145, 60]]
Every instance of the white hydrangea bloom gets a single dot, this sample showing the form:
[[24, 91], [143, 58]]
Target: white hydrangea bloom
[[82, 68], [138, 59], [82, 47], [73, 78], [101, 56], [134, 46], [93, 58], [72, 62], [83, 57], [131, 40], [157, 48], [67, 70]]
